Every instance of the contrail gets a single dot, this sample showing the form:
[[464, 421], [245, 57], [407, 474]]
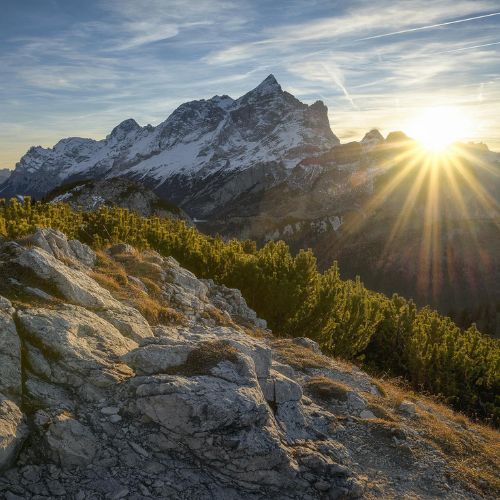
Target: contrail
[[430, 26], [470, 47], [338, 80]]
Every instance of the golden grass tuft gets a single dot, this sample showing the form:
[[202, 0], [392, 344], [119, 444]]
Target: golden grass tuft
[[206, 356], [380, 412], [299, 357], [218, 317], [113, 276], [326, 389]]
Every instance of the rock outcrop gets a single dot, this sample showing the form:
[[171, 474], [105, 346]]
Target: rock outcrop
[[116, 192], [96, 402]]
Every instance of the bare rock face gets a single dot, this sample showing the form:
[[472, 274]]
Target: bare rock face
[[55, 243], [117, 192], [69, 442], [13, 431], [231, 300], [95, 402], [10, 352]]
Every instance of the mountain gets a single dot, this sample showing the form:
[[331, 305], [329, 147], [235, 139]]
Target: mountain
[[169, 386], [205, 154], [4, 174], [117, 192], [266, 166]]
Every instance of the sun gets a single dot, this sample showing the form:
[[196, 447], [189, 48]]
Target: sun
[[438, 127]]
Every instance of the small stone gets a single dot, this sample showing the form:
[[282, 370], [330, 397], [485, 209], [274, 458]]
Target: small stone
[[144, 490], [139, 449], [367, 414], [322, 485], [56, 488], [408, 408], [31, 474], [355, 401], [120, 493], [110, 410], [115, 418], [11, 496]]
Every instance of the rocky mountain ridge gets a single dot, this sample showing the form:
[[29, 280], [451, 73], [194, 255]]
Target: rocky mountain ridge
[[4, 174], [97, 401], [205, 153], [117, 192]]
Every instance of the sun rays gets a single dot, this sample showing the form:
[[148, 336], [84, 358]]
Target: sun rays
[[431, 203], [436, 128]]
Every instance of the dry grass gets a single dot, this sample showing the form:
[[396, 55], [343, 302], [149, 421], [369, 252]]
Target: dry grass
[[257, 333], [326, 389], [152, 286], [135, 265], [106, 281], [113, 276], [218, 317], [380, 412], [107, 266], [206, 356], [472, 450], [299, 357]]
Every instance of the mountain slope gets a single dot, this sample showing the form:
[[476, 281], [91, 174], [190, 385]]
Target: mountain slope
[[226, 144], [117, 192], [267, 167], [4, 174], [102, 399]]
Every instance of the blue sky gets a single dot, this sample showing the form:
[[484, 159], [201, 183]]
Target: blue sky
[[73, 68]]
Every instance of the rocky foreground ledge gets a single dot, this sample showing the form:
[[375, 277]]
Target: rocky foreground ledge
[[96, 401]]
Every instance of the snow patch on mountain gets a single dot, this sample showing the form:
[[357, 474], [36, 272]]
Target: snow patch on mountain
[[200, 138]]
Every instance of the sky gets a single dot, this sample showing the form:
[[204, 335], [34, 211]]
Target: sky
[[73, 68]]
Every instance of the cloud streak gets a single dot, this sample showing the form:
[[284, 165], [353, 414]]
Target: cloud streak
[[430, 26], [79, 72]]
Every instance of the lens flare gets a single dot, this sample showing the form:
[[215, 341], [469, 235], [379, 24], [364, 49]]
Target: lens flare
[[437, 128]]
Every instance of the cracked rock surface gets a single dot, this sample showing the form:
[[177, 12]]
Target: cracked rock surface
[[96, 402]]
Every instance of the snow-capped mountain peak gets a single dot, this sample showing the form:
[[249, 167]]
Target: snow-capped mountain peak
[[200, 142]]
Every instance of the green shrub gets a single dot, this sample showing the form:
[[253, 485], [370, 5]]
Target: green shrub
[[348, 320]]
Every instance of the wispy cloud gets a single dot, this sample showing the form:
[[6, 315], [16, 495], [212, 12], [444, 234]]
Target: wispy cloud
[[79, 72]]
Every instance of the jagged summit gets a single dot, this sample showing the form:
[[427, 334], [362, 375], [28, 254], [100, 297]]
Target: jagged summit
[[125, 127], [194, 152], [373, 135], [268, 86]]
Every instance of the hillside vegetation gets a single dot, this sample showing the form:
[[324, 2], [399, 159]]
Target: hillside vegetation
[[390, 335]]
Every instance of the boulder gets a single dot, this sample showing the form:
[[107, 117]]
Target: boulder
[[69, 442], [81, 349], [182, 288], [355, 401], [122, 248], [55, 243], [307, 343], [408, 408], [13, 431], [10, 352], [128, 321], [73, 284], [158, 358], [280, 389]]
